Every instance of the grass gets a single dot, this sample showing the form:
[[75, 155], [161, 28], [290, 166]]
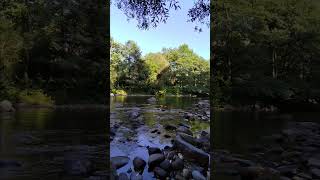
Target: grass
[[35, 97]]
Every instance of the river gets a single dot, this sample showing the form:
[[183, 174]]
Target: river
[[131, 139], [35, 143]]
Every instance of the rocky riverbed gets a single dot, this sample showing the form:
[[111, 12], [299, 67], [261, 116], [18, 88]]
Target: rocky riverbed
[[292, 154], [154, 141]]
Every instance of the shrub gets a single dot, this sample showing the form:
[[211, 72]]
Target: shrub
[[120, 92], [35, 97], [161, 93]]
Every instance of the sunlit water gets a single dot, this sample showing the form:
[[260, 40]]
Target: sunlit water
[[153, 117]]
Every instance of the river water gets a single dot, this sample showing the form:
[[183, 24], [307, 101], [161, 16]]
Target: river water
[[35, 141], [131, 140]]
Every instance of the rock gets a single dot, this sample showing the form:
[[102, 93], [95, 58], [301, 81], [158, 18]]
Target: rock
[[186, 173], [6, 106], [139, 164], [184, 124], [188, 115], [160, 173], [313, 162], [134, 113], [9, 163], [167, 136], [190, 139], [170, 155], [315, 172], [287, 170], [153, 150], [177, 164], [75, 164], [119, 161], [166, 165], [123, 176], [155, 159], [136, 176], [184, 130], [170, 127], [152, 100], [191, 152], [196, 175]]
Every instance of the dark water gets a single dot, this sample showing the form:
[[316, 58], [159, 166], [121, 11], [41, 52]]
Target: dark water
[[152, 118], [236, 131], [55, 129]]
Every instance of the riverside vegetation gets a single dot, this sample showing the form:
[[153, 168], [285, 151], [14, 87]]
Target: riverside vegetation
[[177, 71], [52, 50]]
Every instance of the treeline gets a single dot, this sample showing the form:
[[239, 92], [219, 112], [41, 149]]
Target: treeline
[[57, 47], [177, 71], [266, 51]]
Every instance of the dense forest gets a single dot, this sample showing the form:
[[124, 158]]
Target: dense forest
[[53, 50], [266, 51], [174, 71]]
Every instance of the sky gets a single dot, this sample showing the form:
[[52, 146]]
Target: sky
[[172, 34]]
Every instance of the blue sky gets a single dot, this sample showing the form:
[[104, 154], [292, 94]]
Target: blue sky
[[170, 35]]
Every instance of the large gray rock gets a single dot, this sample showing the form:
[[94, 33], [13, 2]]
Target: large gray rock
[[6, 106], [191, 152], [190, 139], [155, 159], [183, 129], [119, 161], [152, 100]]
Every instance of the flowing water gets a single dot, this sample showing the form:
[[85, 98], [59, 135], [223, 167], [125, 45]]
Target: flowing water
[[131, 140]]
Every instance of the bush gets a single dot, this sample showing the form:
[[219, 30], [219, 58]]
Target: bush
[[119, 92], [161, 93], [35, 97]]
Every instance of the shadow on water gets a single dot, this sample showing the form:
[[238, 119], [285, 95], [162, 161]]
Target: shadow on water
[[36, 139]]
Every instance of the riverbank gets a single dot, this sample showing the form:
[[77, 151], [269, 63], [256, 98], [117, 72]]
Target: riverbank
[[292, 153]]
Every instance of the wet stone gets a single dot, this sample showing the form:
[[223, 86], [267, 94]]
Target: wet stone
[[155, 159], [139, 164], [160, 173], [178, 164], [119, 161], [153, 150], [166, 165]]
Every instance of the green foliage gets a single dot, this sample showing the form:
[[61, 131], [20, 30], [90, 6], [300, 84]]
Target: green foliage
[[55, 45], [179, 70], [161, 93], [266, 50], [119, 92], [35, 97]]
